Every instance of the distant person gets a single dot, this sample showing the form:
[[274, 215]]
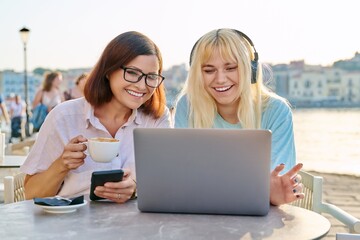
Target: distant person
[[17, 114], [49, 95], [225, 89], [4, 111], [124, 91], [78, 90]]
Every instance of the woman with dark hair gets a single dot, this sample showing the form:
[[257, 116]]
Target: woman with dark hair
[[124, 91], [46, 98], [49, 94], [78, 90]]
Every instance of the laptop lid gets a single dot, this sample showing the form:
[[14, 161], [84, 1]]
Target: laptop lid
[[207, 171]]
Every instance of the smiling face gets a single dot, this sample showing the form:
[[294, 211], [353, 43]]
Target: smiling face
[[221, 80], [133, 95]]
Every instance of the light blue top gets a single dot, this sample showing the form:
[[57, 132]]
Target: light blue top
[[277, 117]]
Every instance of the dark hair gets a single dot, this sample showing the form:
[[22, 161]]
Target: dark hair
[[79, 78], [49, 79], [119, 52]]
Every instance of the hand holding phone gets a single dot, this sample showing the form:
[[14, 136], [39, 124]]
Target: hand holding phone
[[99, 178]]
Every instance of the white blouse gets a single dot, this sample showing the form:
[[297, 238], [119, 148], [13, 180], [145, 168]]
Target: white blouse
[[76, 117]]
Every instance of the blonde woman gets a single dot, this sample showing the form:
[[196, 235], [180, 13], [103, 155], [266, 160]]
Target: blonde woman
[[225, 89]]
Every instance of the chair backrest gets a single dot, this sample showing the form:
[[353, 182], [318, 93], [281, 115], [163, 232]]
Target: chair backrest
[[14, 190], [312, 190], [313, 201]]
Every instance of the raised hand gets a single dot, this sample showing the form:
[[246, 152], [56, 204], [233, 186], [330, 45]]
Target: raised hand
[[285, 188]]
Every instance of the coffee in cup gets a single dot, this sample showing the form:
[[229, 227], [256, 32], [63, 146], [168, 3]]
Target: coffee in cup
[[103, 149]]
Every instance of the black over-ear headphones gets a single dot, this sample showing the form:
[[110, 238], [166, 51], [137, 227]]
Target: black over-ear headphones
[[254, 62]]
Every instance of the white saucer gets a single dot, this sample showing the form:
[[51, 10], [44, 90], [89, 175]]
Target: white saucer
[[62, 209]]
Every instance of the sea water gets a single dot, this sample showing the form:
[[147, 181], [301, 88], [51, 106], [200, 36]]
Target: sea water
[[328, 140]]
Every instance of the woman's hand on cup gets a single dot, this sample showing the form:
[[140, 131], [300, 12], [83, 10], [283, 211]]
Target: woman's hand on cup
[[118, 192], [73, 155]]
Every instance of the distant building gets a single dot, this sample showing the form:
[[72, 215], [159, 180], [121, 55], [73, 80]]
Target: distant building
[[313, 85], [307, 86], [352, 64], [303, 85], [350, 85], [174, 81], [281, 80], [13, 82]]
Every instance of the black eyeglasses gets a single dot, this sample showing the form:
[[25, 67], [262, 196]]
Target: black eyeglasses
[[135, 75]]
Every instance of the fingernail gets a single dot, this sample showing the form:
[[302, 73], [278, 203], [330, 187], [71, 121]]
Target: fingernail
[[297, 196], [294, 190]]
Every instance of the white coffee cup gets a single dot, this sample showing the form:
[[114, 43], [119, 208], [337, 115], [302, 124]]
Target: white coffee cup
[[103, 149]]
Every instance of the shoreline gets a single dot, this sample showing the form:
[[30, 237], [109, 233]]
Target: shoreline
[[340, 174]]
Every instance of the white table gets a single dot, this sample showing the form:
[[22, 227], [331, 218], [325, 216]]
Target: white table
[[107, 220], [12, 161], [10, 165]]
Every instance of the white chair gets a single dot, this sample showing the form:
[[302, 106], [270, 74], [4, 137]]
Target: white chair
[[313, 201], [14, 190]]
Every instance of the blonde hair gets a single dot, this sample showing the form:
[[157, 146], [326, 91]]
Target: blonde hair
[[253, 97]]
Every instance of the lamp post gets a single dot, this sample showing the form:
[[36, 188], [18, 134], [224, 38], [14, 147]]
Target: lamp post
[[24, 34]]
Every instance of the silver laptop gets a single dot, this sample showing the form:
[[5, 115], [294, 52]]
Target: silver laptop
[[205, 171]]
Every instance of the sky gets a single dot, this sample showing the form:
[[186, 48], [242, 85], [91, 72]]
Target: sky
[[73, 33]]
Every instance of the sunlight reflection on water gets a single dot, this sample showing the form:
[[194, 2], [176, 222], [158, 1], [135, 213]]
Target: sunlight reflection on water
[[328, 140]]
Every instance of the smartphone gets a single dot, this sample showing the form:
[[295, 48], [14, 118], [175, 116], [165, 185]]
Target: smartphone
[[99, 178]]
